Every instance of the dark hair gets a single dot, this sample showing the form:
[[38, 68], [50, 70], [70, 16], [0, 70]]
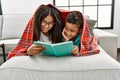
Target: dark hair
[[55, 32], [75, 17]]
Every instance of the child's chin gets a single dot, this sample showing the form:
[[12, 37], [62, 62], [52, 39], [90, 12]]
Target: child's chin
[[45, 31]]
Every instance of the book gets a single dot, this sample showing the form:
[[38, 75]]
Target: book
[[58, 49]]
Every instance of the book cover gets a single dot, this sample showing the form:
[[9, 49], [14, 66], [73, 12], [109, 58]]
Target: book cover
[[58, 49]]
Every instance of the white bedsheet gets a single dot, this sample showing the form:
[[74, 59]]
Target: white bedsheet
[[40, 67]]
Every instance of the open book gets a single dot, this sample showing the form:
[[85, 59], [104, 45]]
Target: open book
[[58, 49]]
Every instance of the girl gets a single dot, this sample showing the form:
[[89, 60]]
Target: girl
[[45, 25]]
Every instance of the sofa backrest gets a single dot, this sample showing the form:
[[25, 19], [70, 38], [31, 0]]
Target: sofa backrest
[[14, 25]]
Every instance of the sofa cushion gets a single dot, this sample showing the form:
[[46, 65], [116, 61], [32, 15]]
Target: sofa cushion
[[13, 25]]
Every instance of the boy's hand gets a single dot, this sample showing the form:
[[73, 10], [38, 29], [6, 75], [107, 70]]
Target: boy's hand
[[64, 36], [35, 49], [75, 51]]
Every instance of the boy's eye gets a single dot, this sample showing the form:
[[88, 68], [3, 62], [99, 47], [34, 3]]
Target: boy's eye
[[72, 30]]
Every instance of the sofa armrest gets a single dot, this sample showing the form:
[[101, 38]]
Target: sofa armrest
[[108, 41]]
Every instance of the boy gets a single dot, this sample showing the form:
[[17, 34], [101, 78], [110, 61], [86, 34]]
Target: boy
[[71, 31]]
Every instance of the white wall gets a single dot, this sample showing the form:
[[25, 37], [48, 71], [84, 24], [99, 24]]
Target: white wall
[[116, 29], [22, 6]]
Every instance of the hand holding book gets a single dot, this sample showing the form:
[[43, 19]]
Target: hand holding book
[[35, 49]]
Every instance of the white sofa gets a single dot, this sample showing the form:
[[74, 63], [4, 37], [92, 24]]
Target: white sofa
[[108, 41], [41, 67], [12, 27]]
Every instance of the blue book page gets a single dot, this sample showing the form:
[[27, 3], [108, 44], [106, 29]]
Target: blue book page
[[48, 49], [64, 48]]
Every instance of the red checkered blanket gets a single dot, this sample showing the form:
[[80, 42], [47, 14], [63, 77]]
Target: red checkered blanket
[[88, 44]]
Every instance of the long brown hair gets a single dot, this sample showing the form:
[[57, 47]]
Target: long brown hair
[[55, 33]]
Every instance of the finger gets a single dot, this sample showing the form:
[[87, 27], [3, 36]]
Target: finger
[[63, 33], [39, 49], [38, 46], [35, 52], [65, 37]]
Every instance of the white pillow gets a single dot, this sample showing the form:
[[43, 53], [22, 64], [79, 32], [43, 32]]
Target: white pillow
[[13, 25], [91, 23]]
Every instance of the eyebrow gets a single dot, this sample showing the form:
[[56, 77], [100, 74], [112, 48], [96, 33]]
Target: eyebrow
[[47, 22]]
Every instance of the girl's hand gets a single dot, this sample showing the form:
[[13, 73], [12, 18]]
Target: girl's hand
[[64, 36], [75, 51], [35, 49]]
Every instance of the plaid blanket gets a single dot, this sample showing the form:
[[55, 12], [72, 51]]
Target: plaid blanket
[[88, 43]]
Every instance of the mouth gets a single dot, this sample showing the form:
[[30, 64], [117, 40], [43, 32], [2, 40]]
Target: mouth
[[45, 29], [69, 37]]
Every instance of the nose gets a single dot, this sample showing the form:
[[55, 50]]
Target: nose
[[46, 25]]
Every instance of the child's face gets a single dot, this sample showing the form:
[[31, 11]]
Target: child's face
[[71, 30], [47, 24]]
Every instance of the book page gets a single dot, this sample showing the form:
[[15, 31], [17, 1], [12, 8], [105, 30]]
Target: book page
[[48, 49], [63, 48]]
